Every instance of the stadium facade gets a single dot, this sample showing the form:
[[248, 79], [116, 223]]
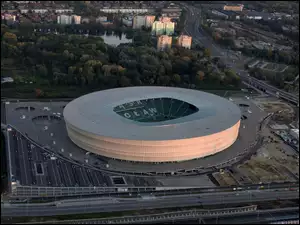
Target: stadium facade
[[152, 124]]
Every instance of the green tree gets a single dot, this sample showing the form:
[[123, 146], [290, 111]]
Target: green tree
[[124, 81], [42, 71], [207, 52], [10, 38], [176, 78]]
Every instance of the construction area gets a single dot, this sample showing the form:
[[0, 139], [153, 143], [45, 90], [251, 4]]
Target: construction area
[[275, 160]]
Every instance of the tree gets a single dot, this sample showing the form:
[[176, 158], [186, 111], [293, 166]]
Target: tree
[[42, 71], [39, 92], [10, 38], [124, 81], [207, 52], [176, 79], [200, 76]]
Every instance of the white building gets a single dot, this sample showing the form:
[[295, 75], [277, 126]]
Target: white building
[[64, 19], [125, 10], [138, 22], [63, 10], [295, 133], [101, 19], [41, 11]]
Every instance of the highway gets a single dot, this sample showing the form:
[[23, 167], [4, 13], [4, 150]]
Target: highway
[[194, 29], [143, 203]]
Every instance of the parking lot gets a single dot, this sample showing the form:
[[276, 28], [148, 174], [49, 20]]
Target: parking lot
[[52, 133]]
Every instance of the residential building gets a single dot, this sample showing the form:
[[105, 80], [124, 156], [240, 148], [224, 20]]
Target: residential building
[[101, 19], [64, 19], [158, 28], [138, 22], [7, 80], [149, 20], [165, 19], [76, 19], [8, 17], [237, 8], [169, 28], [295, 133], [63, 10], [164, 42], [120, 10], [41, 11], [184, 41]]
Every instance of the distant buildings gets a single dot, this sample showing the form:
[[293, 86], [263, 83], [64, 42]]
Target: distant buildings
[[295, 133], [122, 10], [6, 80], [172, 11], [9, 18], [165, 19], [184, 41], [169, 28], [66, 19], [149, 20], [237, 8], [164, 42], [159, 27], [101, 19], [77, 19], [138, 22], [63, 10]]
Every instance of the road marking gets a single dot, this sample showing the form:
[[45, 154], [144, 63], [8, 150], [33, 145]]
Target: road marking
[[23, 156]]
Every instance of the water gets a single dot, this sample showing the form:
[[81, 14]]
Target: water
[[115, 40]]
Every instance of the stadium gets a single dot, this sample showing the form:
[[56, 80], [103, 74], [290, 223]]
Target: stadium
[[152, 124]]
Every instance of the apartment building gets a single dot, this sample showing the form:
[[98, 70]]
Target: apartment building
[[236, 8], [76, 19], [169, 28], [164, 42], [149, 20], [64, 19], [158, 28], [184, 41], [138, 22]]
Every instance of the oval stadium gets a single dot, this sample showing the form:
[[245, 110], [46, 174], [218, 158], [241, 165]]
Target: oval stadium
[[152, 124]]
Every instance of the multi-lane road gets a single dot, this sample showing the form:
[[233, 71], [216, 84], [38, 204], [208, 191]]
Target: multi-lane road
[[193, 28], [146, 203]]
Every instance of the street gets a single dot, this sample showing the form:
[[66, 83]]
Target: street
[[194, 29], [137, 204]]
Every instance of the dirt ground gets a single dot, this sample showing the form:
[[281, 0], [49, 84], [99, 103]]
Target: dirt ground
[[272, 163], [225, 178]]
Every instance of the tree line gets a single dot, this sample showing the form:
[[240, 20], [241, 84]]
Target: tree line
[[74, 60]]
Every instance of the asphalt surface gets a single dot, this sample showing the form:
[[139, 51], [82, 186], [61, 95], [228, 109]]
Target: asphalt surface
[[178, 201]]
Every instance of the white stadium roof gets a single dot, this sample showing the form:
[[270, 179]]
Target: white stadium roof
[[94, 113]]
